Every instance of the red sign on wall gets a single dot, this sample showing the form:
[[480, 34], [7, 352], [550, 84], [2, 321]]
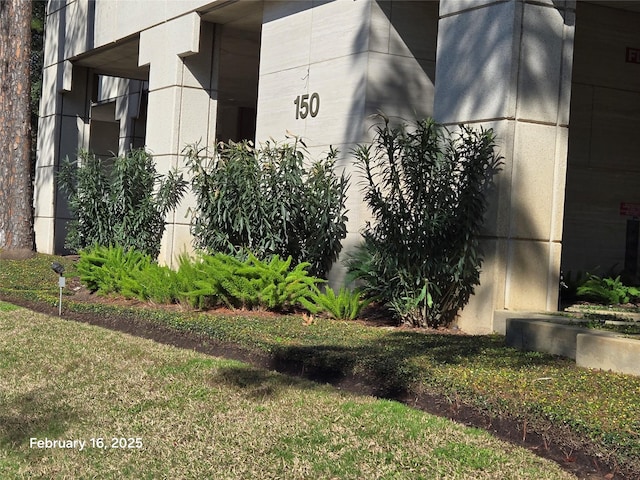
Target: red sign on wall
[[633, 55], [630, 209]]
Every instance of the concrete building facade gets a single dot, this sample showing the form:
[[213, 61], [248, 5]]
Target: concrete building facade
[[558, 81]]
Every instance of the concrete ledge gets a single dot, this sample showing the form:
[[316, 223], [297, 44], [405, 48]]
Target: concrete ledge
[[618, 354], [545, 336], [500, 318]]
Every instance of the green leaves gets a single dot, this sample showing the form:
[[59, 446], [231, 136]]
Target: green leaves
[[107, 269], [120, 201], [607, 290], [346, 305], [266, 202], [426, 188], [203, 282]]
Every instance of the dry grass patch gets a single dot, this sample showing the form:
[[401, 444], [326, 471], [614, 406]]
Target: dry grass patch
[[200, 417]]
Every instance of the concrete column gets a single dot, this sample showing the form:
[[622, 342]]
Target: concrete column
[[62, 130], [181, 106], [127, 110], [63, 123], [507, 65]]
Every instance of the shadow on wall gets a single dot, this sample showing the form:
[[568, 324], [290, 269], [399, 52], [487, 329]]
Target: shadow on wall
[[400, 76], [477, 52]]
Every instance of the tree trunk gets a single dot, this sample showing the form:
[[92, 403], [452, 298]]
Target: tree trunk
[[16, 188]]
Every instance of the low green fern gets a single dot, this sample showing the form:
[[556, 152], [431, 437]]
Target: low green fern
[[155, 283], [253, 283], [347, 305], [607, 290], [106, 269], [202, 282]]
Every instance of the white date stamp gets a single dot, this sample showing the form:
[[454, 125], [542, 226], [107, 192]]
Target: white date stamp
[[102, 443]]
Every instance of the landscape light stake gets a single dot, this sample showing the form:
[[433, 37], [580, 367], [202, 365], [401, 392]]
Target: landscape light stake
[[59, 269]]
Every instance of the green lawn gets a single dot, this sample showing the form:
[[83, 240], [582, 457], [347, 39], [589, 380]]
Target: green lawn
[[578, 409], [193, 416]]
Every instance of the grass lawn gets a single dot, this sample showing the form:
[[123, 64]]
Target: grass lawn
[[574, 409], [181, 414]]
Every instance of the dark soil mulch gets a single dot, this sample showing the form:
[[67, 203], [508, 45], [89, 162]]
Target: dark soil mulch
[[550, 446]]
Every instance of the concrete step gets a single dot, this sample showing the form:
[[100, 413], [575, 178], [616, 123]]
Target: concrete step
[[590, 348]]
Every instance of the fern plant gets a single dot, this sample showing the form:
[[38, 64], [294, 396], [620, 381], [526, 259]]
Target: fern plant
[[202, 282], [106, 269], [608, 290], [154, 283], [247, 284], [280, 287], [346, 305]]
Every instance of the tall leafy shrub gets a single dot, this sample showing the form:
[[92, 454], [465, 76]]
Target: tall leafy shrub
[[426, 189], [268, 202], [120, 201]]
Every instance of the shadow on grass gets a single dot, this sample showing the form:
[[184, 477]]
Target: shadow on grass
[[391, 365], [257, 383], [32, 414]]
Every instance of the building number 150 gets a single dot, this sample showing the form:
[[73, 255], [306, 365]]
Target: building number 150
[[307, 105]]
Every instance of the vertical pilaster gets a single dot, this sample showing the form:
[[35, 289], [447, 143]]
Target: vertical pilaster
[[507, 65], [181, 106], [64, 110]]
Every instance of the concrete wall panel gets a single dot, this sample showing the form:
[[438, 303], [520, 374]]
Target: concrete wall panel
[[286, 34], [450, 7], [276, 110], [603, 169], [581, 124], [541, 64], [533, 181], [341, 87], [339, 29], [477, 73], [527, 273], [615, 126], [489, 293], [164, 108], [195, 109], [407, 94], [412, 25]]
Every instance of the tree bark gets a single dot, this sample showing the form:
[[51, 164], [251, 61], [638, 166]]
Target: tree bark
[[16, 187]]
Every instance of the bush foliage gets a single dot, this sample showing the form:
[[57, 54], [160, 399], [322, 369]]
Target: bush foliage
[[607, 290], [346, 305], [266, 201], [204, 282], [426, 188], [120, 201]]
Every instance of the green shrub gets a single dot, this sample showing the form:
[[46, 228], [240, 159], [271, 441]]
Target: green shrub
[[266, 202], [207, 281], [121, 201], [347, 305], [155, 283], [426, 188], [607, 290], [106, 269], [249, 284]]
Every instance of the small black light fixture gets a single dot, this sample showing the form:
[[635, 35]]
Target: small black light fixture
[[59, 269]]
